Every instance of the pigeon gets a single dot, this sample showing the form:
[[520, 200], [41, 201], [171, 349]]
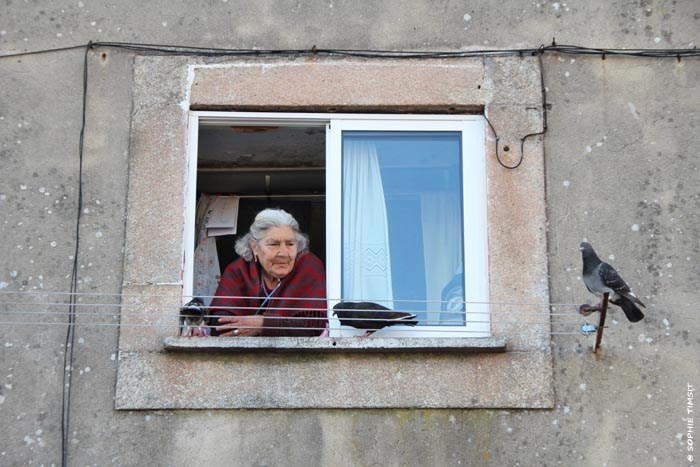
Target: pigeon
[[371, 316], [193, 320], [600, 278]]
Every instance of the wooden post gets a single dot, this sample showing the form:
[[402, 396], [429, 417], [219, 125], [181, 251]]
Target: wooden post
[[601, 322]]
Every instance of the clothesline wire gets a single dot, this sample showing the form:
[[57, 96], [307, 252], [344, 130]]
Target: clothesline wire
[[176, 308], [173, 318], [180, 297], [386, 330], [120, 306], [224, 307]]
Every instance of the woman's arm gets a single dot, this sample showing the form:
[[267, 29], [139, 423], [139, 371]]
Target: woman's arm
[[233, 298]]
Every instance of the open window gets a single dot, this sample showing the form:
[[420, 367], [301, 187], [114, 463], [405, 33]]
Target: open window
[[464, 373], [395, 205]]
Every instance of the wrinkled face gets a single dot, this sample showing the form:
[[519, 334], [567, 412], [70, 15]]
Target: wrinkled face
[[277, 251]]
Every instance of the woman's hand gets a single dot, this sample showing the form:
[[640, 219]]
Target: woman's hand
[[240, 326]]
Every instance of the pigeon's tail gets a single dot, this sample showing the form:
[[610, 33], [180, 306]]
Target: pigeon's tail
[[633, 298], [631, 310]]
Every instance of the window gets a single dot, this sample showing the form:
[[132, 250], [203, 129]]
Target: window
[[163, 142], [402, 199]]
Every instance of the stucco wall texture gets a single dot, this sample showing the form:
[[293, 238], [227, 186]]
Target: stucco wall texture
[[621, 165]]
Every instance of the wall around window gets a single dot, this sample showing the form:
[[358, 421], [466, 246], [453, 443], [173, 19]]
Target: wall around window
[[506, 89]]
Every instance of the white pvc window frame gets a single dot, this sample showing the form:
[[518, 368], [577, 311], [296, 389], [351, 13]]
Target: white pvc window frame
[[472, 129]]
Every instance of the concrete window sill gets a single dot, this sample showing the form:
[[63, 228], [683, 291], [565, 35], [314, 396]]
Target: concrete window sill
[[334, 345]]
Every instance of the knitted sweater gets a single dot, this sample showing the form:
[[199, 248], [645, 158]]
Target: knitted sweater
[[296, 308]]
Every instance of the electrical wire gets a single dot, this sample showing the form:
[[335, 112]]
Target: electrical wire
[[70, 331], [360, 53], [540, 53], [43, 51], [169, 49]]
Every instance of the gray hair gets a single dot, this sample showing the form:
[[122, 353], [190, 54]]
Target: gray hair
[[266, 219]]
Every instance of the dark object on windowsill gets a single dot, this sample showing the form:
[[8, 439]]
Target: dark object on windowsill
[[193, 320], [371, 317]]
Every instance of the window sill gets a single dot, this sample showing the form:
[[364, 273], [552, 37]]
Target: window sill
[[334, 345]]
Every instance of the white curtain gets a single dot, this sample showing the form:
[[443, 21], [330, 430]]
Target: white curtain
[[366, 253], [442, 246], [207, 271]]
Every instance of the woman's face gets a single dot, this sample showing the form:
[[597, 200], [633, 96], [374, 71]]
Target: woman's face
[[277, 251]]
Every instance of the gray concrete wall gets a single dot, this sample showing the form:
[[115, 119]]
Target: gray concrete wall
[[622, 172]]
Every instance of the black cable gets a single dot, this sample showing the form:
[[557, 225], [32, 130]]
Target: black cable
[[314, 51], [42, 51], [565, 49], [540, 53], [199, 51], [206, 51], [70, 332], [644, 53], [360, 53], [544, 113]]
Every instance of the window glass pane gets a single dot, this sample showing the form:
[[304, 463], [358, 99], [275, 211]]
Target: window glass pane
[[402, 222]]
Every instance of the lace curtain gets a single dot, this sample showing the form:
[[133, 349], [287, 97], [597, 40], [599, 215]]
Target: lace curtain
[[366, 253]]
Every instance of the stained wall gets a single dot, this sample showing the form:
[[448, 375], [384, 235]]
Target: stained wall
[[620, 171]]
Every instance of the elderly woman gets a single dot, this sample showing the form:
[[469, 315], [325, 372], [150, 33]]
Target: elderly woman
[[276, 288]]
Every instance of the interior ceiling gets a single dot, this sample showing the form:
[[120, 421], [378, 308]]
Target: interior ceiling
[[257, 160], [260, 146], [262, 182]]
